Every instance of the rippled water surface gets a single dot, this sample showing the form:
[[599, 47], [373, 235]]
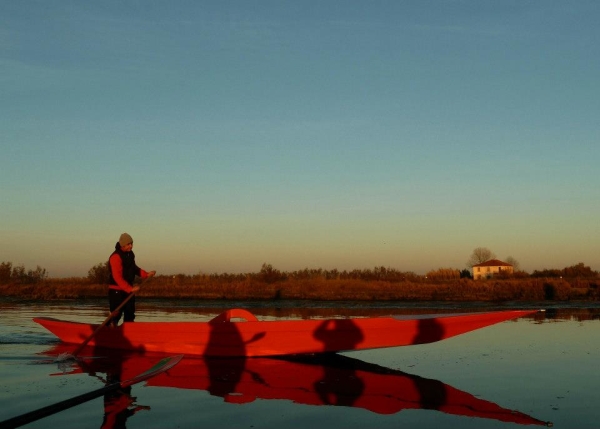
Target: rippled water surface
[[525, 372]]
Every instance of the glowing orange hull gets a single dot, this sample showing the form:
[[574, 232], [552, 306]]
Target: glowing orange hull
[[226, 335]]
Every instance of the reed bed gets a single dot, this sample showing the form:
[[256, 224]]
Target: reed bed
[[205, 287]]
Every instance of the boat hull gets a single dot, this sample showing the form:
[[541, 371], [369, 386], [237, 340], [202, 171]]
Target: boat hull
[[238, 333]]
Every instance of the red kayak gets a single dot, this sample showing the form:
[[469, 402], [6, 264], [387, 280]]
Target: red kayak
[[237, 332], [318, 380]]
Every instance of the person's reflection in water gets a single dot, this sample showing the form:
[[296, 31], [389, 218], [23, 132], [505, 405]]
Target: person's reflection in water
[[340, 384], [339, 334], [119, 405]]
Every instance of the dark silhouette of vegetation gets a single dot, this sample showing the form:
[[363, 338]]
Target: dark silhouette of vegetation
[[466, 274], [578, 282], [574, 271], [269, 275], [549, 291], [17, 274], [99, 274]]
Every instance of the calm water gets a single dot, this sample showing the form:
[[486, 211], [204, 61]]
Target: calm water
[[517, 373]]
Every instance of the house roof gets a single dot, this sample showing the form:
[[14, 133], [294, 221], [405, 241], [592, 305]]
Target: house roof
[[493, 263]]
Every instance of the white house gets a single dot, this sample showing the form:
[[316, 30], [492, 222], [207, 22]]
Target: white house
[[490, 268]]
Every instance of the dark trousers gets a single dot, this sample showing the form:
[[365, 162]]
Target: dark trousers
[[115, 298]]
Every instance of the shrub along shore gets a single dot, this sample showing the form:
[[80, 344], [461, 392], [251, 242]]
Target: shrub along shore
[[248, 287]]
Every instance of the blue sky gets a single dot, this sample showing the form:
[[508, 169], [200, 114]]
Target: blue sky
[[339, 134]]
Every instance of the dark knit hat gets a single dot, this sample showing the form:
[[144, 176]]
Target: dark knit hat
[[125, 239]]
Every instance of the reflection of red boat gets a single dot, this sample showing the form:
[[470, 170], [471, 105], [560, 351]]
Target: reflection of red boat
[[226, 335], [328, 379]]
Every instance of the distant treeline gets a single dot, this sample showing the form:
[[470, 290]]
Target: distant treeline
[[577, 282], [98, 274]]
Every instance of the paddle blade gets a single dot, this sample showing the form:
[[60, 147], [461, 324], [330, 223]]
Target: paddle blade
[[161, 366]]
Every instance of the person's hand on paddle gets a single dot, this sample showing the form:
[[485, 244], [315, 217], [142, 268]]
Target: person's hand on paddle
[[149, 274]]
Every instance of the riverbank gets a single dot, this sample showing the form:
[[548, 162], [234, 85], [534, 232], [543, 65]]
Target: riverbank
[[182, 287]]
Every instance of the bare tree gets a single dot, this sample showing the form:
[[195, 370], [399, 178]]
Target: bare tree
[[480, 255], [512, 261]]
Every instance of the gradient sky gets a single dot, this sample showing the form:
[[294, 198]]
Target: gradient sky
[[323, 134]]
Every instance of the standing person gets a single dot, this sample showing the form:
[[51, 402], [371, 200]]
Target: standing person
[[123, 270]]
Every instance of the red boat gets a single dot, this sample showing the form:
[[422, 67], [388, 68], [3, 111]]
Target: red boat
[[318, 380], [237, 332]]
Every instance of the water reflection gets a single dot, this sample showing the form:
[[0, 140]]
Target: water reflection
[[328, 379], [566, 314], [120, 404]]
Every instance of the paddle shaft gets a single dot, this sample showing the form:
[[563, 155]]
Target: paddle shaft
[[108, 319], [162, 366], [55, 408]]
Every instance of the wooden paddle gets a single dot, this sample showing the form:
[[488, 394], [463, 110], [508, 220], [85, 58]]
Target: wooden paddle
[[162, 366]]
